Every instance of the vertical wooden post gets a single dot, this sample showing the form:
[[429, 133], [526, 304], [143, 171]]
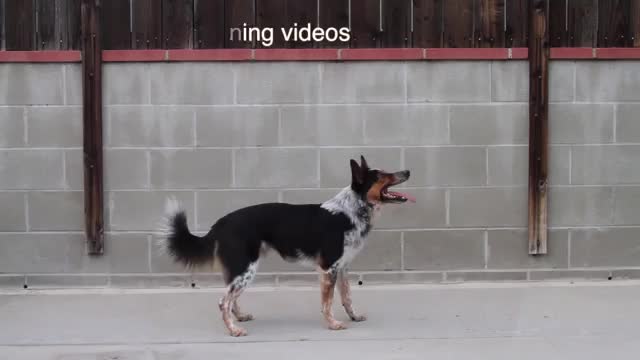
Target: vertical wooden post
[[92, 123], [538, 124]]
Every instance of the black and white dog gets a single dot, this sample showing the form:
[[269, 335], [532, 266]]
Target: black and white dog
[[329, 235]]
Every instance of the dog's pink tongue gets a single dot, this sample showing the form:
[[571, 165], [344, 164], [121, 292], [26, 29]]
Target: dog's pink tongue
[[406, 196]]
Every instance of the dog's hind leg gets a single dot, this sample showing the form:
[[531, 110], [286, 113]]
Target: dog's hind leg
[[345, 295], [240, 316], [327, 286], [236, 287]]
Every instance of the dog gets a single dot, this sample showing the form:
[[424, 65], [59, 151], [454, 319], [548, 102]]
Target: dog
[[329, 235]]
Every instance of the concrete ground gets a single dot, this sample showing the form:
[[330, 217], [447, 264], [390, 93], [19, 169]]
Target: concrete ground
[[464, 321]]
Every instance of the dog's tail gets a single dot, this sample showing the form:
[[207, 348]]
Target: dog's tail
[[184, 247]]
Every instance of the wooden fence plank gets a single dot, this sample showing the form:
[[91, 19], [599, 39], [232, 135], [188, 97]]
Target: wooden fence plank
[[489, 23], [20, 21], [458, 23], [208, 24], [279, 14], [177, 24], [558, 23], [396, 23], [2, 12], [365, 23], [538, 124], [427, 23], [58, 24], [146, 21], [236, 14], [116, 24], [46, 25], [613, 23], [73, 25], [92, 125], [333, 13], [517, 29], [582, 23]]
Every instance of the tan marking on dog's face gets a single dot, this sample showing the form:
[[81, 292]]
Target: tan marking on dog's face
[[374, 193]]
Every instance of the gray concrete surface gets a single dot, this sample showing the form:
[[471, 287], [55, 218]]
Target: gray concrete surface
[[594, 320]]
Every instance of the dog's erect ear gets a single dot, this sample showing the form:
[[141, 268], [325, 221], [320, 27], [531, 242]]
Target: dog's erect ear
[[356, 173], [363, 163]]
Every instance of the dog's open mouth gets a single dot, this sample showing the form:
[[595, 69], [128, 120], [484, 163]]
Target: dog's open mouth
[[394, 196]]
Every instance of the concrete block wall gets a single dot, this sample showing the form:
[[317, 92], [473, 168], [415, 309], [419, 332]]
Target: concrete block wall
[[220, 136]]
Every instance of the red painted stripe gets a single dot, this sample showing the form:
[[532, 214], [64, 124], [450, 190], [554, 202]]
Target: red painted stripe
[[133, 55], [210, 55], [519, 53], [571, 53], [468, 54], [382, 54], [40, 56], [296, 54], [618, 53]]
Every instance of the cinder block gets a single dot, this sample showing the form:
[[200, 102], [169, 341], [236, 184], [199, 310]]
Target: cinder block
[[428, 211], [149, 281], [322, 125], [54, 126], [128, 83], [607, 164], [212, 205], [150, 126], [447, 166], [482, 276], [627, 124], [56, 211], [403, 277], [605, 247], [547, 275], [580, 123], [66, 281], [12, 127], [237, 126], [299, 279], [561, 81], [606, 81], [12, 211], [73, 84], [144, 210], [37, 252], [335, 170], [31, 84], [276, 168], [273, 262], [31, 169], [127, 253], [124, 169], [489, 124], [12, 281], [74, 169], [488, 207], [508, 249], [626, 274], [444, 250], [509, 165], [190, 169], [449, 81], [363, 82], [272, 82], [570, 206], [382, 251], [308, 196], [406, 125], [626, 205], [510, 81]]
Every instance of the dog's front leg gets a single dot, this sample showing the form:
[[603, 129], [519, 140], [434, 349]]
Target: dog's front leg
[[327, 286], [345, 295]]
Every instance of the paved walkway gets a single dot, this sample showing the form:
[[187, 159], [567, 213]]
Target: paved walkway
[[465, 321]]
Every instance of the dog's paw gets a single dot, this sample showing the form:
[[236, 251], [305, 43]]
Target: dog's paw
[[244, 317], [337, 325], [238, 331], [358, 318]]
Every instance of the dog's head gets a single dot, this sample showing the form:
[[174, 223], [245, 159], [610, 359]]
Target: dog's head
[[373, 184]]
